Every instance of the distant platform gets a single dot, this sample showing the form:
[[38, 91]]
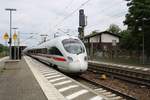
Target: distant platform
[[130, 67]]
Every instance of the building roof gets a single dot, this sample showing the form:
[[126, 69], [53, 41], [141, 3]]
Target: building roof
[[100, 33]]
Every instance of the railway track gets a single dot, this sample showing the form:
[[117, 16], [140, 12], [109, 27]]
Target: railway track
[[107, 92], [130, 75]]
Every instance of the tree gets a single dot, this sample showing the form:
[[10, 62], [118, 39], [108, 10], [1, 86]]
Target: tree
[[114, 29], [94, 32], [3, 48], [126, 40], [138, 22]]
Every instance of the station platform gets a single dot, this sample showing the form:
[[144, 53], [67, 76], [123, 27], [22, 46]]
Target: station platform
[[119, 65], [28, 79], [17, 82]]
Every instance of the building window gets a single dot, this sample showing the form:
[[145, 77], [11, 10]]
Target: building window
[[105, 47], [114, 42]]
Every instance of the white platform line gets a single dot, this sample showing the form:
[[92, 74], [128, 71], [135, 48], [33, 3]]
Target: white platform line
[[130, 67], [107, 93], [145, 69], [138, 68], [102, 91], [43, 68], [57, 79], [62, 83], [47, 72], [49, 77], [76, 94], [44, 71], [67, 88], [4, 58], [50, 74], [99, 89], [97, 98], [111, 95]]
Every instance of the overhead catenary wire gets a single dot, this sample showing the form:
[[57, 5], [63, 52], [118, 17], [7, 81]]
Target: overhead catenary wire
[[115, 15], [66, 7], [102, 11], [83, 4], [69, 4], [30, 37], [69, 15]]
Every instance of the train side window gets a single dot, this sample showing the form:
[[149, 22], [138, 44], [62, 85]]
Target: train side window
[[54, 51], [44, 50]]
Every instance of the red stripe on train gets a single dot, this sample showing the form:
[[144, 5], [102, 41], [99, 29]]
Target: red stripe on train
[[55, 58], [59, 59]]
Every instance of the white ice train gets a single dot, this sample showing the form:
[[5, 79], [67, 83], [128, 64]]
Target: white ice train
[[66, 52]]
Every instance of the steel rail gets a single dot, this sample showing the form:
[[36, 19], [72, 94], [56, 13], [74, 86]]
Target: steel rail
[[119, 93], [133, 76]]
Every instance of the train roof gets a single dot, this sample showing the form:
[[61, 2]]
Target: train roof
[[55, 40]]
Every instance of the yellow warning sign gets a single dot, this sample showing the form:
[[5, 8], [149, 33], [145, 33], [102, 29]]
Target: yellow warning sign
[[15, 36], [5, 37]]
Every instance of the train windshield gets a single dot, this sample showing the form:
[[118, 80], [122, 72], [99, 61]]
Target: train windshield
[[73, 46]]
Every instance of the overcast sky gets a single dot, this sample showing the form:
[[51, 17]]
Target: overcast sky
[[46, 16]]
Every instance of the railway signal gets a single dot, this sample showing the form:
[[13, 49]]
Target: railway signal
[[82, 24]]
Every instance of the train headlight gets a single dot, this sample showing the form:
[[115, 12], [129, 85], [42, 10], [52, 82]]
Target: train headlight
[[86, 58], [70, 59]]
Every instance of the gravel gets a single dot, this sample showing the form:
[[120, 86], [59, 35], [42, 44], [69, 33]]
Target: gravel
[[137, 91]]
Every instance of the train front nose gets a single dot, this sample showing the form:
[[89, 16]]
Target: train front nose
[[79, 65]]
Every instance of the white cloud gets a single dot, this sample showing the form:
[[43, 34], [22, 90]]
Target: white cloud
[[40, 16]]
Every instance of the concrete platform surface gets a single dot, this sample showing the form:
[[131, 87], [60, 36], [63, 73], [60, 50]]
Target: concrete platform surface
[[2, 62], [18, 83]]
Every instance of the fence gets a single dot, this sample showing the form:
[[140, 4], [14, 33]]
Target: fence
[[109, 53]]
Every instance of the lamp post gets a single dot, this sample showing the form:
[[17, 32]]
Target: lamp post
[[10, 37], [143, 40], [140, 29], [143, 47]]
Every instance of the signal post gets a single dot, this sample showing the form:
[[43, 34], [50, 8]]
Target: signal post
[[82, 24], [15, 51]]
